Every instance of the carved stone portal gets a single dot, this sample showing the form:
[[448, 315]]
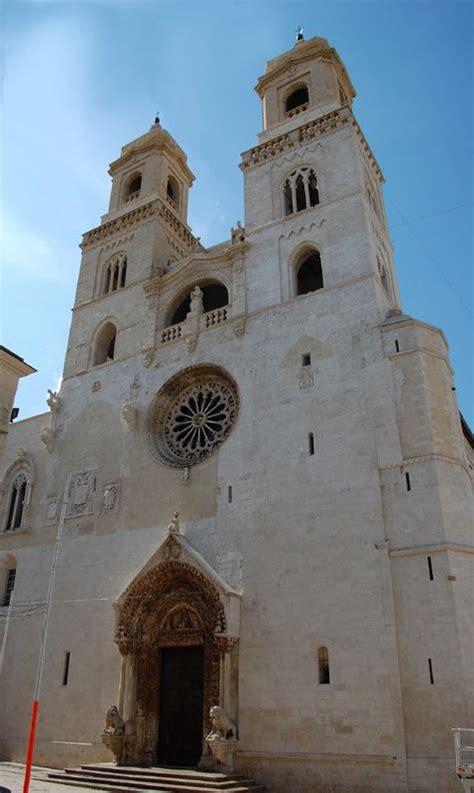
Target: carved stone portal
[[172, 605]]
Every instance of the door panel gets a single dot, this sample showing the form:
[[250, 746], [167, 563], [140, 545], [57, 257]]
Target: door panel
[[181, 705]]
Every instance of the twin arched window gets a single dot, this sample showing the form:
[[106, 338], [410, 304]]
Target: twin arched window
[[300, 191], [115, 274], [16, 503], [104, 349], [17, 486]]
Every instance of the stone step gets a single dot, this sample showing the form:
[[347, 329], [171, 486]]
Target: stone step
[[159, 771], [173, 771], [124, 779]]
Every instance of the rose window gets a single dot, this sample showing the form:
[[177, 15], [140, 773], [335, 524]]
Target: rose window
[[192, 415]]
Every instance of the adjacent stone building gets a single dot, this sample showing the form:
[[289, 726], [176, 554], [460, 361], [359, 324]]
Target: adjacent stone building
[[317, 580]]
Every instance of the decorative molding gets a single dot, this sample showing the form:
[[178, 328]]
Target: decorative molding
[[427, 458], [429, 549], [313, 130]]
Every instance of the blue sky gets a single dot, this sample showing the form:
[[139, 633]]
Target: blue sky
[[83, 78]]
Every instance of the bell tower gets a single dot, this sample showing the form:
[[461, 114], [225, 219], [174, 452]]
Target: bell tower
[[152, 166], [301, 85], [142, 235], [314, 179]]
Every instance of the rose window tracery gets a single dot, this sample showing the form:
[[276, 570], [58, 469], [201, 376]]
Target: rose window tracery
[[192, 416]]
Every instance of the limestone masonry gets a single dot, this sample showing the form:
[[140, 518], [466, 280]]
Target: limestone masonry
[[262, 478]]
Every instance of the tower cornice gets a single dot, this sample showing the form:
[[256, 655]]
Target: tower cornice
[[301, 52], [154, 209], [313, 130], [158, 140]]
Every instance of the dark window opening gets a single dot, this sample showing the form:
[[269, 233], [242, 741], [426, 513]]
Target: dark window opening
[[300, 194], [116, 278], [430, 568], [430, 665], [172, 192], [105, 345], [297, 98], [311, 443], [288, 199], [310, 275], [17, 503], [397, 346], [67, 658], [107, 280], [213, 296], [10, 585], [323, 666], [135, 186], [123, 276], [407, 481], [306, 359], [229, 494]]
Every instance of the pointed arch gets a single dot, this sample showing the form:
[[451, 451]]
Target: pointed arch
[[16, 490]]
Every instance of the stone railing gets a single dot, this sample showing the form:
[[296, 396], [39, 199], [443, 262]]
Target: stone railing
[[215, 317], [204, 321], [296, 110], [171, 334], [132, 196]]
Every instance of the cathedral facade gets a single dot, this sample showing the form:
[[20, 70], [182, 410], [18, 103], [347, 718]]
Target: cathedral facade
[[259, 474]]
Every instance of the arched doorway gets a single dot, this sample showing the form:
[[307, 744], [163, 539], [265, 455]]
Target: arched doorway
[[172, 635]]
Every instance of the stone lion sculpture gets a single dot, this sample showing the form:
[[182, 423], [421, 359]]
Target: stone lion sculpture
[[113, 735], [222, 728]]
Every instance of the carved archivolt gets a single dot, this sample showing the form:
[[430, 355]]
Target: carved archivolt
[[171, 605], [192, 415]]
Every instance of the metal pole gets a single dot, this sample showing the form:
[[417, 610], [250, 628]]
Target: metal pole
[[39, 670]]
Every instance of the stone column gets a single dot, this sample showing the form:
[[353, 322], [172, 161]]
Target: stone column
[[228, 650]]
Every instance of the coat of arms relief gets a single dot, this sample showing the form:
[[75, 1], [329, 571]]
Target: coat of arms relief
[[81, 494]]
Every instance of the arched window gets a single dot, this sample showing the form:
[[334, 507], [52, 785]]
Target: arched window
[[16, 485], [309, 273], [214, 295], [133, 187], [297, 101], [383, 277], [323, 666], [115, 274], [300, 191], [172, 192], [16, 502], [105, 344]]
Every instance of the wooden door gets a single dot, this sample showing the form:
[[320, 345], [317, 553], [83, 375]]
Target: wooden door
[[180, 727]]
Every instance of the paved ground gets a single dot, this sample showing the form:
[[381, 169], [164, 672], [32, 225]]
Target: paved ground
[[12, 776]]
